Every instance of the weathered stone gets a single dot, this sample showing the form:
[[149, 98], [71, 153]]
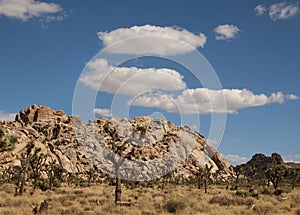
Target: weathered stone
[[154, 144], [36, 113]]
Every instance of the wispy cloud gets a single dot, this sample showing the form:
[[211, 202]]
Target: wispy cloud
[[292, 158], [4, 116], [226, 32], [292, 97], [130, 80], [278, 11], [103, 112], [150, 39], [206, 101], [282, 11], [234, 159], [260, 10], [28, 9]]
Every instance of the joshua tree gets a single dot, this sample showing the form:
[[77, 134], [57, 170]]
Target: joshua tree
[[7, 143], [25, 158], [91, 175], [238, 171], [275, 174], [166, 176], [293, 176], [37, 161], [206, 176], [199, 176], [55, 174], [203, 174], [117, 162]]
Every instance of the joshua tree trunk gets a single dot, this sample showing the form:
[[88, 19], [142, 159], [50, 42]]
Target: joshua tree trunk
[[118, 190]]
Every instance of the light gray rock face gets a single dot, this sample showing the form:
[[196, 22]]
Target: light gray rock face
[[140, 149]]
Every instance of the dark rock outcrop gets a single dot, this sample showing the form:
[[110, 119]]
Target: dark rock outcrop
[[259, 163]]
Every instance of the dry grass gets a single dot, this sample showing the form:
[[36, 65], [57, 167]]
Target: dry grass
[[148, 201]]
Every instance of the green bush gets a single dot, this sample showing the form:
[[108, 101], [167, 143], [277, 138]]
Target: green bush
[[172, 206]]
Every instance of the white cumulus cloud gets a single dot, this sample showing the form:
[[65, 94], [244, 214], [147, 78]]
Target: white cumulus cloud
[[150, 39], [102, 111], [4, 116], [156, 100], [282, 11], [130, 80], [234, 159], [27, 9], [226, 32], [206, 101], [260, 10]]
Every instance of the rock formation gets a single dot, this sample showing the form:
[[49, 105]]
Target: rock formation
[[259, 163], [143, 147]]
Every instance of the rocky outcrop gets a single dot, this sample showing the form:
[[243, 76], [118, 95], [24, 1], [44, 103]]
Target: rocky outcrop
[[142, 148], [259, 163], [36, 113]]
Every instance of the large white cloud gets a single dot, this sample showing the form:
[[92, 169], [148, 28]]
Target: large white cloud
[[206, 101], [7, 116], [226, 32], [27, 9], [130, 80], [150, 39], [282, 11]]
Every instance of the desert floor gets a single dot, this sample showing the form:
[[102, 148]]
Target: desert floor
[[99, 199]]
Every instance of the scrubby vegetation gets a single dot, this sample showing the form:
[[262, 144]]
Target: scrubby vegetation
[[41, 186], [93, 193], [179, 199]]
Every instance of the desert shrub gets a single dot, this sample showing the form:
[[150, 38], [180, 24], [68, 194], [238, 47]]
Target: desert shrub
[[7, 188], [240, 193], [263, 209], [296, 199], [298, 212], [43, 185], [255, 195], [225, 201], [234, 187], [221, 200], [174, 205], [266, 191], [78, 192], [243, 201], [147, 213], [278, 192]]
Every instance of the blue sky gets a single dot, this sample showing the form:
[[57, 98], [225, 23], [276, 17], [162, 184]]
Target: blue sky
[[252, 45]]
